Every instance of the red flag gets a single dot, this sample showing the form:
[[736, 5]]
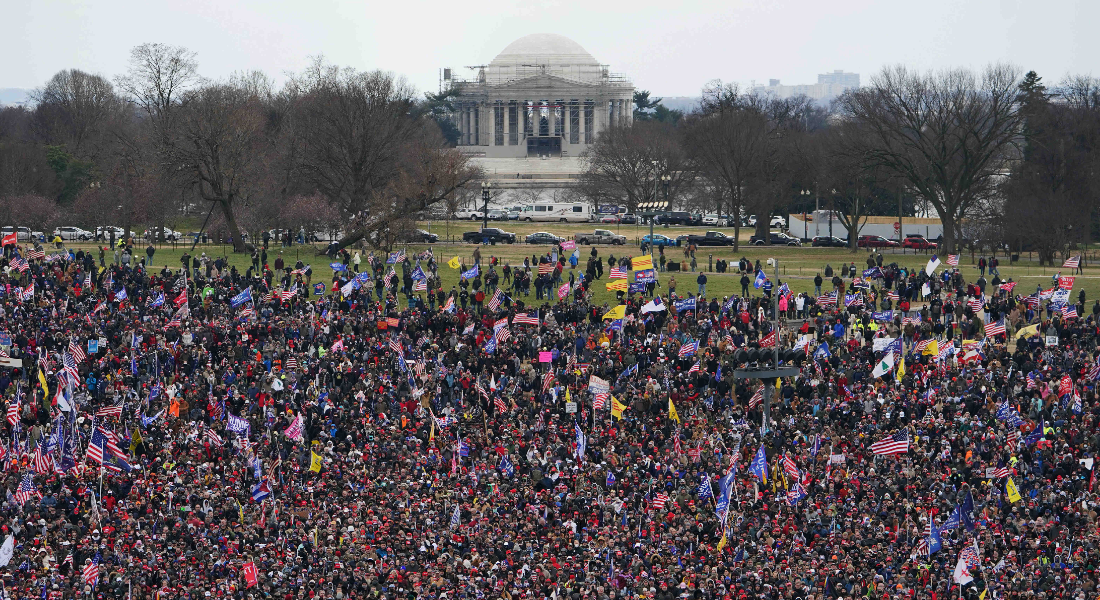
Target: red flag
[[11, 238], [250, 573]]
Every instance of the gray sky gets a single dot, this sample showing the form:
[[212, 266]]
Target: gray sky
[[670, 48]]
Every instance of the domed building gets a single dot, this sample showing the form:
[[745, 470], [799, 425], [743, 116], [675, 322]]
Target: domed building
[[542, 96]]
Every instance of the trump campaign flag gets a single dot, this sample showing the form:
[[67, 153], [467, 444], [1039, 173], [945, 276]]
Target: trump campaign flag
[[250, 573]]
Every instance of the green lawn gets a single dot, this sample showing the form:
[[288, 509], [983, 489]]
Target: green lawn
[[797, 266]]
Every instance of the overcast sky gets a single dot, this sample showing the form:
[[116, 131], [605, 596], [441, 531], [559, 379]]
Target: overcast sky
[[670, 48]]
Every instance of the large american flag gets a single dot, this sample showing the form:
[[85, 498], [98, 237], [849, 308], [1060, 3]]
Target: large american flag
[[91, 570], [1072, 263], [757, 398], [618, 273], [43, 463], [997, 328], [689, 349], [113, 410], [659, 501], [76, 351], [895, 444], [526, 319], [827, 299], [545, 268], [494, 302], [13, 412], [953, 260], [27, 489]]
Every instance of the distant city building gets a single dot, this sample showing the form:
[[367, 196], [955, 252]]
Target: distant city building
[[828, 86]]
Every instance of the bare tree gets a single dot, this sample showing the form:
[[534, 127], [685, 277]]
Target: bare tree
[[156, 80], [219, 141], [74, 110], [947, 135], [626, 163]]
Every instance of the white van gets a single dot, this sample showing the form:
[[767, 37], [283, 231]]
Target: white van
[[560, 212]]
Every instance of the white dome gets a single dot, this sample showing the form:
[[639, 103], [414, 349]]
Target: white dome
[[546, 49], [543, 54]]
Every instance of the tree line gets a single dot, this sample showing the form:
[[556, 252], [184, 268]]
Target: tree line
[[336, 149], [1002, 161]]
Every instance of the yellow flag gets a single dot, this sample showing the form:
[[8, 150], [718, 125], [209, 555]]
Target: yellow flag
[[135, 440], [619, 285], [568, 397], [618, 312], [42, 380], [981, 596], [454, 263], [1028, 331], [431, 436], [617, 408], [932, 349], [641, 262], [901, 367], [315, 463], [722, 542], [240, 510], [672, 411], [1013, 493]]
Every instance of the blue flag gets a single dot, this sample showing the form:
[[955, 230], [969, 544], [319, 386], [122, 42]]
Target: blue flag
[[760, 279], [759, 465], [610, 479], [241, 298], [507, 467], [471, 273], [337, 267], [687, 304]]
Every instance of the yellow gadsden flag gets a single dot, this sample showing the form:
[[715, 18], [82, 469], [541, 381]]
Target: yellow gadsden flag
[[722, 542], [454, 263], [1028, 331], [1013, 493], [619, 285], [901, 368], [932, 349], [617, 408], [315, 462], [641, 262], [672, 411], [619, 312], [42, 380]]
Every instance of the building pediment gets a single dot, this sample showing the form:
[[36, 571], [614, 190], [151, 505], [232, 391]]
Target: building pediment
[[543, 81]]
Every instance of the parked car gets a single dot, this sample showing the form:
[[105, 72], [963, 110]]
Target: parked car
[[776, 239], [169, 234], [610, 219], [917, 241], [69, 234], [489, 235], [600, 236], [23, 234], [875, 241], [416, 236], [824, 241], [472, 215], [778, 221], [711, 220], [104, 233], [673, 218], [660, 240], [628, 219], [711, 238], [542, 237]]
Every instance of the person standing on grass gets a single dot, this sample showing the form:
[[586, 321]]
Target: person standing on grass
[[149, 252], [701, 280]]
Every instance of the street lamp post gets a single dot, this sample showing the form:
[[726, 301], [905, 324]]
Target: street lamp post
[[486, 188]]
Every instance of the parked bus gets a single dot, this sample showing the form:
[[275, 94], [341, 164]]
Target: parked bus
[[562, 212]]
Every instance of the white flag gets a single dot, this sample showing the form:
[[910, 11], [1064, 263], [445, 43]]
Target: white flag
[[7, 551], [961, 574], [926, 290], [932, 264], [884, 366]]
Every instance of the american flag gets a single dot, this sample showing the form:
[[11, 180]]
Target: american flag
[[36, 254], [1069, 311], [494, 302], [18, 264], [502, 334], [43, 463], [291, 363], [526, 319], [895, 444], [1001, 470], [27, 490], [689, 349], [600, 400], [28, 292], [212, 436], [853, 300], [1012, 439], [70, 369], [395, 345], [1030, 301], [114, 410], [13, 412], [618, 273], [659, 501], [247, 312], [547, 380], [953, 260], [420, 286], [501, 406], [790, 468], [975, 304], [288, 294], [997, 328], [545, 268], [921, 345], [694, 368], [91, 571], [1008, 286], [757, 398], [268, 297], [827, 299], [1072, 263]]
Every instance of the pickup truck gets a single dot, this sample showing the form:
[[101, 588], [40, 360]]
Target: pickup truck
[[600, 236], [489, 235], [711, 238], [776, 239]]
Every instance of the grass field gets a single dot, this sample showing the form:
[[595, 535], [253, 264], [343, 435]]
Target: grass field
[[797, 266]]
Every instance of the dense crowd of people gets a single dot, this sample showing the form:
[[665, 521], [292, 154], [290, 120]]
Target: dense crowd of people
[[200, 432]]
